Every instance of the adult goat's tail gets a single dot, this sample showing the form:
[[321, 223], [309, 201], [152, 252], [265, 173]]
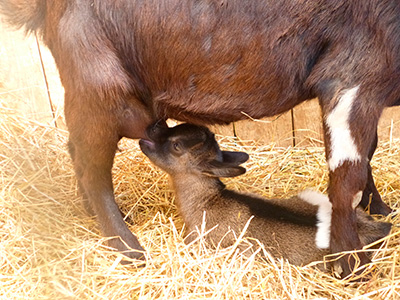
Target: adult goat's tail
[[29, 14]]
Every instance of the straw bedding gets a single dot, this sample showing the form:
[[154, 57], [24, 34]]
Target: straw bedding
[[50, 248]]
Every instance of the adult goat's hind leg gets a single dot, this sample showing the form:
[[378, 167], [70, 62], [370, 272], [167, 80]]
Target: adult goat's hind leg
[[78, 174], [93, 142]]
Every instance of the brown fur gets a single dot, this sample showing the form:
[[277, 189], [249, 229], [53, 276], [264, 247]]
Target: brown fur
[[125, 64], [287, 228]]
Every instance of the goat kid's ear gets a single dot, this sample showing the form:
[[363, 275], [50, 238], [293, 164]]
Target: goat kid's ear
[[161, 123], [222, 169], [234, 157], [156, 129]]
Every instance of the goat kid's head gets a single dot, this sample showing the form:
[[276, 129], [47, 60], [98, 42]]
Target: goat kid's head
[[190, 149]]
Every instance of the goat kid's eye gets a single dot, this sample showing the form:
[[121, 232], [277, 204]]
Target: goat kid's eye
[[176, 147]]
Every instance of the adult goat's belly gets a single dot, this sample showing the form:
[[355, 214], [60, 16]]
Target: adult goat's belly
[[225, 103]]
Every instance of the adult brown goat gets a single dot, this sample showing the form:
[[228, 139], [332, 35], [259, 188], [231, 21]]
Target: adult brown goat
[[125, 64]]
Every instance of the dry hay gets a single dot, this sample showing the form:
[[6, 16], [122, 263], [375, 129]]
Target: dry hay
[[50, 249]]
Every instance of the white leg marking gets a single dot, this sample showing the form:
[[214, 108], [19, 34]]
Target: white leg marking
[[342, 144], [357, 199], [324, 216]]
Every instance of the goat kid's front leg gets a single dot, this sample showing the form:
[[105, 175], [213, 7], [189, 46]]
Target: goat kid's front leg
[[348, 141]]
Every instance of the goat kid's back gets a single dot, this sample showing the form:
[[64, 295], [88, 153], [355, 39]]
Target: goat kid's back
[[125, 64], [297, 229]]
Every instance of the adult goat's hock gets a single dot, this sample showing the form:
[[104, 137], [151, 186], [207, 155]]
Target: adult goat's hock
[[125, 64]]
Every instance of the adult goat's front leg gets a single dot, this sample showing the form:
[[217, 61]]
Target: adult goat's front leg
[[345, 190], [348, 123], [371, 199]]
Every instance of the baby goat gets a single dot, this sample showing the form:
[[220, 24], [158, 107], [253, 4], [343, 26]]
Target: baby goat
[[297, 229]]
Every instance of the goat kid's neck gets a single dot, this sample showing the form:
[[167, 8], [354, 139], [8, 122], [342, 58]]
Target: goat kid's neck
[[194, 192]]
